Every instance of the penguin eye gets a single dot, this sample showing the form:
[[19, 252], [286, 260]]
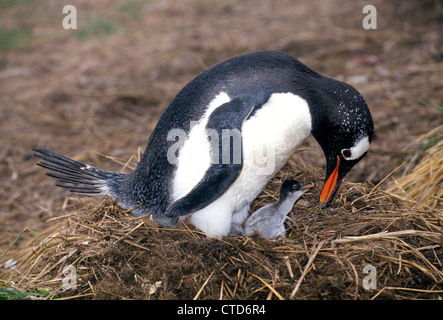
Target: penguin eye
[[347, 153]]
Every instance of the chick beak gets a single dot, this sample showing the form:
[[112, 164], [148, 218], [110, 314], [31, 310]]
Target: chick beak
[[307, 186]]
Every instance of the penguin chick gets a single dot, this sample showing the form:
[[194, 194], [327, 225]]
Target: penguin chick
[[269, 220]]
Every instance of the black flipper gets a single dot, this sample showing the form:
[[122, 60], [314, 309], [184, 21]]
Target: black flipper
[[225, 121]]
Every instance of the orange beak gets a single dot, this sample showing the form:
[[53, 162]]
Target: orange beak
[[307, 186], [330, 184]]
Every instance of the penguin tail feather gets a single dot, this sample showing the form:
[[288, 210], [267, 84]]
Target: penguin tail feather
[[75, 176]]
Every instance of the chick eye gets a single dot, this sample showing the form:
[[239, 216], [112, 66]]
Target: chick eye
[[346, 153]]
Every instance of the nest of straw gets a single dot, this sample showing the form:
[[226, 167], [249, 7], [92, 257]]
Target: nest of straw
[[424, 184], [118, 256]]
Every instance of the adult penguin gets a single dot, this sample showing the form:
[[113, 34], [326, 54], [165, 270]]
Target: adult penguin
[[225, 135]]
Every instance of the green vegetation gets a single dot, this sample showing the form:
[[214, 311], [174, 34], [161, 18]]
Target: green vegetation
[[18, 237], [132, 9], [14, 294], [11, 3], [99, 27], [13, 37]]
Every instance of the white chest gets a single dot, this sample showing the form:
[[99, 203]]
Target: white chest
[[270, 138]]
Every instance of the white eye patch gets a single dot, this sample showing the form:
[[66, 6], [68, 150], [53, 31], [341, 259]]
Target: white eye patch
[[355, 152]]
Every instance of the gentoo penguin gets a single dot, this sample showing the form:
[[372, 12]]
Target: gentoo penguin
[[225, 135], [269, 220]]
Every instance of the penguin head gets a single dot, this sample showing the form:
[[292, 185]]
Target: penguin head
[[293, 188], [344, 128]]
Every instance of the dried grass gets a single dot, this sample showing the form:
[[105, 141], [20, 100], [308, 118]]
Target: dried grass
[[118, 256], [424, 185]]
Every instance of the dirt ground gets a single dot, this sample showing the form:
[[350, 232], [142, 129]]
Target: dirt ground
[[96, 93]]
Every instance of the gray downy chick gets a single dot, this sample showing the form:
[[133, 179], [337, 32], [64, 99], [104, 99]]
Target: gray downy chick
[[269, 220]]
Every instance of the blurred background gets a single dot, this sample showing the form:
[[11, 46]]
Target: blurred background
[[97, 91]]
